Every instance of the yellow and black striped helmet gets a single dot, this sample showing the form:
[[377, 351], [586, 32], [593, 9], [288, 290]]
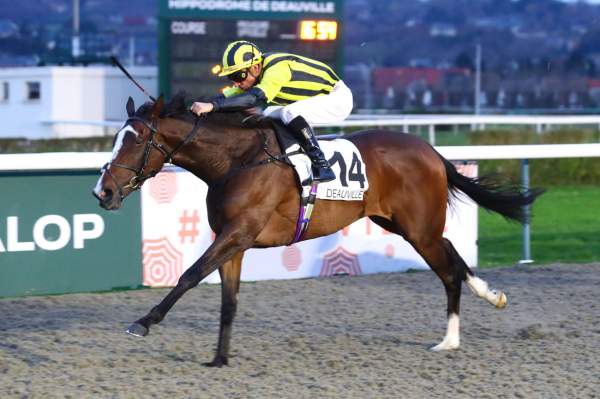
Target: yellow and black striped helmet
[[240, 55]]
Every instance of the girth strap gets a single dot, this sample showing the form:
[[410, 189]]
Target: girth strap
[[306, 207]]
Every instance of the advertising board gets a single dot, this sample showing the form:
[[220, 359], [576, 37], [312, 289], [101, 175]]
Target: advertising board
[[176, 232], [54, 238]]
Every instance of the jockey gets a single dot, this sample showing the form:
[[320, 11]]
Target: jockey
[[299, 91]]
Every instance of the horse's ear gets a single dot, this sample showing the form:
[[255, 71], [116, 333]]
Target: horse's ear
[[130, 107], [158, 107]]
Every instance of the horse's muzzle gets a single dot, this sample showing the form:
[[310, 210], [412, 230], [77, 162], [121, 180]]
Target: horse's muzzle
[[107, 199]]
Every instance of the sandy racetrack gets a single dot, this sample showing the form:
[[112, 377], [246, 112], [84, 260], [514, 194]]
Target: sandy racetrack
[[356, 337]]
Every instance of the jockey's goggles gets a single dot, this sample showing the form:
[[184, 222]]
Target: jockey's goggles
[[238, 76]]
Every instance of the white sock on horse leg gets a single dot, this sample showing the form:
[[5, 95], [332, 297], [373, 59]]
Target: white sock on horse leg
[[481, 289], [452, 338]]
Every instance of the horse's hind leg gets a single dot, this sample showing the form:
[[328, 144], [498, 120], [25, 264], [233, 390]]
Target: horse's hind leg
[[452, 277], [230, 287], [445, 261], [434, 249], [441, 261], [477, 285]]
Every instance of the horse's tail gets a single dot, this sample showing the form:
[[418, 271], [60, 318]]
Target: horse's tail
[[507, 200]]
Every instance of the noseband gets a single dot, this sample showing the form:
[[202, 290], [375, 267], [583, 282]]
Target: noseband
[[139, 178]]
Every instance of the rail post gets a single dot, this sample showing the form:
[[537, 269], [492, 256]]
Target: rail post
[[526, 228], [432, 134]]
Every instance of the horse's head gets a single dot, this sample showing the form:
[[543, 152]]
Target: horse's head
[[133, 158]]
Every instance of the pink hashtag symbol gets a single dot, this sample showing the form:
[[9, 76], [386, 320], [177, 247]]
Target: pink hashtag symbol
[[188, 226]]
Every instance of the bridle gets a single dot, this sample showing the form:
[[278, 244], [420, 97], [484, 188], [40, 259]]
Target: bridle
[[136, 182]]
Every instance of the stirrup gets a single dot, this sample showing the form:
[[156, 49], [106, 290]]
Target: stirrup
[[322, 174]]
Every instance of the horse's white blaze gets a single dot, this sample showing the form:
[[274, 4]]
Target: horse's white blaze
[[117, 147], [481, 289], [98, 188], [120, 138], [452, 338]]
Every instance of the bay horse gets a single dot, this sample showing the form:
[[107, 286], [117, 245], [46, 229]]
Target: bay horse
[[253, 200]]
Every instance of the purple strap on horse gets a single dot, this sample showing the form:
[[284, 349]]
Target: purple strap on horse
[[304, 213]]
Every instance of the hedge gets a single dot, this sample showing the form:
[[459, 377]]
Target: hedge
[[542, 171]]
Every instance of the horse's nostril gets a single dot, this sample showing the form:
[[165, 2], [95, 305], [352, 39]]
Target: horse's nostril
[[107, 194]]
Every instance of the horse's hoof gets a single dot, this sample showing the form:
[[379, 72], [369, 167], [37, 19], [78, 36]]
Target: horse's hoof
[[501, 301], [218, 361], [137, 329], [445, 346]]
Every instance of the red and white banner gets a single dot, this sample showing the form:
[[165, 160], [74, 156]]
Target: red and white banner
[[175, 233]]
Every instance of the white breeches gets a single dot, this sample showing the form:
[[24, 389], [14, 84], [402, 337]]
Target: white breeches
[[330, 108]]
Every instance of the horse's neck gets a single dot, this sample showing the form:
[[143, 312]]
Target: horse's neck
[[215, 151]]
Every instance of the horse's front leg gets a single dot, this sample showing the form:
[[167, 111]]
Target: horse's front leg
[[231, 241], [230, 287]]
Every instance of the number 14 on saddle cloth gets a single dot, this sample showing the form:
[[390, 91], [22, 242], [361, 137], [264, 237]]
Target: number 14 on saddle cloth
[[350, 171]]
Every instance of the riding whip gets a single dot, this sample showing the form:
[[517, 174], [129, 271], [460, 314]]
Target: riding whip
[[116, 63]]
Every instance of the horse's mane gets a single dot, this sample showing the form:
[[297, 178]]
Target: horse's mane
[[179, 108]]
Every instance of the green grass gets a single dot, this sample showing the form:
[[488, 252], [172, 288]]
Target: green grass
[[565, 228]]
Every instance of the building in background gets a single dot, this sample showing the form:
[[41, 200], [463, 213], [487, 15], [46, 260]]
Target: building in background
[[56, 102], [451, 90]]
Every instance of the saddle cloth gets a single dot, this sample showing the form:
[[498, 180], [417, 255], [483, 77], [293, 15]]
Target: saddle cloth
[[345, 160]]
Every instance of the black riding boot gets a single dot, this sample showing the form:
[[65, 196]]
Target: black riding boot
[[306, 137]]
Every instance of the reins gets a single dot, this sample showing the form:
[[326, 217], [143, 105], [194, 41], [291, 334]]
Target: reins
[[271, 158], [283, 158]]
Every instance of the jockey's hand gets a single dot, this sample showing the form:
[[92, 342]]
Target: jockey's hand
[[201, 108], [253, 111]]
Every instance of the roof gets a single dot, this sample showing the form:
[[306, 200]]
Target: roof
[[404, 76]]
